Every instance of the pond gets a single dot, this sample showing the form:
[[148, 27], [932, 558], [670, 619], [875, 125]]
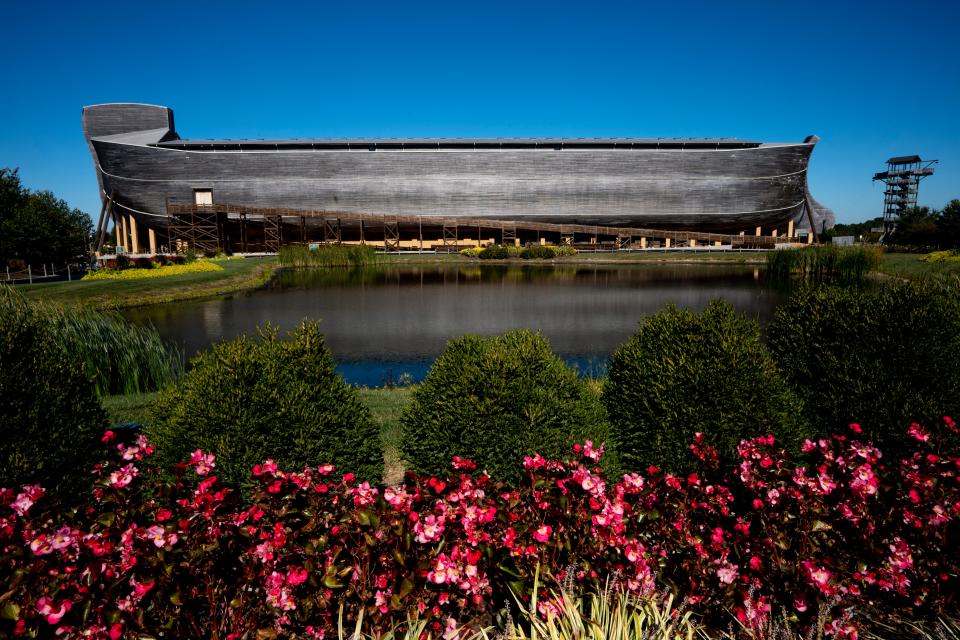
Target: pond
[[386, 325]]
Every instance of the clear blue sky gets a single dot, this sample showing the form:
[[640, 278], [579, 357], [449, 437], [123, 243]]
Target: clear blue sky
[[871, 79]]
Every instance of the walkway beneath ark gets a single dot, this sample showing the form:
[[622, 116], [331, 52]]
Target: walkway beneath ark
[[241, 229]]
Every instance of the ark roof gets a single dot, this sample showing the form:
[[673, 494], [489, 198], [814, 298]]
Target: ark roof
[[413, 144]]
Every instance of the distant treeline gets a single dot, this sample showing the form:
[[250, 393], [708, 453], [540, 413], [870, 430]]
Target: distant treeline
[[38, 228], [920, 227]]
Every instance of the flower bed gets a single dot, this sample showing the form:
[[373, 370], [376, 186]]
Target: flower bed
[[197, 266], [842, 527]]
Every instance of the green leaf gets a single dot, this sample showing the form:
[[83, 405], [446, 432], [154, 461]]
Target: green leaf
[[331, 582], [405, 588], [11, 611]]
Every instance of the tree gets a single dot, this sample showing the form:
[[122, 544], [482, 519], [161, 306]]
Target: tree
[[38, 227], [949, 225], [918, 227]]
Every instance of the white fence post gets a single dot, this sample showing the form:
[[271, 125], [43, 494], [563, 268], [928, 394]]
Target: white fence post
[[30, 273]]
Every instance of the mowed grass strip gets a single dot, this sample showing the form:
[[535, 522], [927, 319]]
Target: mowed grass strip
[[911, 267], [385, 404], [237, 275]]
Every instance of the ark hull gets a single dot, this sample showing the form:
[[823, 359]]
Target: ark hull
[[707, 185]]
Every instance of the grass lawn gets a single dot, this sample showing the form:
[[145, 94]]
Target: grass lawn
[[909, 265], [237, 275], [384, 404]]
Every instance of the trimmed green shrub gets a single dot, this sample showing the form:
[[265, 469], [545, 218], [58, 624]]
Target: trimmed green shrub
[[883, 356], [51, 421], [250, 399], [538, 252], [494, 252], [684, 373], [494, 400]]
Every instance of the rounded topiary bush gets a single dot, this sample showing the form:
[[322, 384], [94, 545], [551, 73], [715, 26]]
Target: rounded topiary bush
[[538, 252], [684, 373], [250, 399], [882, 356], [51, 421], [494, 252], [494, 400]]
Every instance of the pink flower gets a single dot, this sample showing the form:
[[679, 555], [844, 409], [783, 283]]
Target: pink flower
[[462, 464], [428, 529], [855, 427], [41, 545], [591, 453], [122, 477], [53, 612], [917, 433], [364, 495], [202, 462], [818, 575], [450, 629], [63, 538], [27, 498], [727, 573], [543, 533], [296, 576]]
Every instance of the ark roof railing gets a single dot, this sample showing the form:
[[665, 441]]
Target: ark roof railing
[[428, 144]]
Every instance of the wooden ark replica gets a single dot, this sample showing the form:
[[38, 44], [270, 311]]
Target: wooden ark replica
[[164, 192]]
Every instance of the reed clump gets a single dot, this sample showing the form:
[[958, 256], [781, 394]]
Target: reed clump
[[119, 357], [824, 261], [300, 257]]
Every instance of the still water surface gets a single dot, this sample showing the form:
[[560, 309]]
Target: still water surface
[[385, 322]]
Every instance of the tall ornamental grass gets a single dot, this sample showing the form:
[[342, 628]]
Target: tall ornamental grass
[[824, 261], [119, 357], [300, 257]]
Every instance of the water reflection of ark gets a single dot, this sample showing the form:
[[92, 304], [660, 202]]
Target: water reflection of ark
[[383, 323]]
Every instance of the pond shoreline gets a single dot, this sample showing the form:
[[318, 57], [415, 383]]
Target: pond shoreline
[[248, 274]]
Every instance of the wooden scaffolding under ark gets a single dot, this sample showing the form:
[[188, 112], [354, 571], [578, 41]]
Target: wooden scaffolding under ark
[[214, 228]]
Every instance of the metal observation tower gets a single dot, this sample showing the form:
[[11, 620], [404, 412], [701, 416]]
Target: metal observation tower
[[902, 179]]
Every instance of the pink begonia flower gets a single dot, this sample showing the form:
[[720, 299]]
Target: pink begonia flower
[[917, 433], [202, 462], [364, 495], [156, 534], [820, 576], [590, 452], [296, 576], [122, 477], [63, 538], [543, 533], [450, 629], [41, 545], [26, 499], [53, 612], [727, 573], [428, 529]]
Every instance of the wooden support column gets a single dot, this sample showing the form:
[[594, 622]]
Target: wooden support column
[[790, 230], [693, 242], [124, 238], [152, 238], [667, 243], [773, 234], [134, 236], [759, 230]]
